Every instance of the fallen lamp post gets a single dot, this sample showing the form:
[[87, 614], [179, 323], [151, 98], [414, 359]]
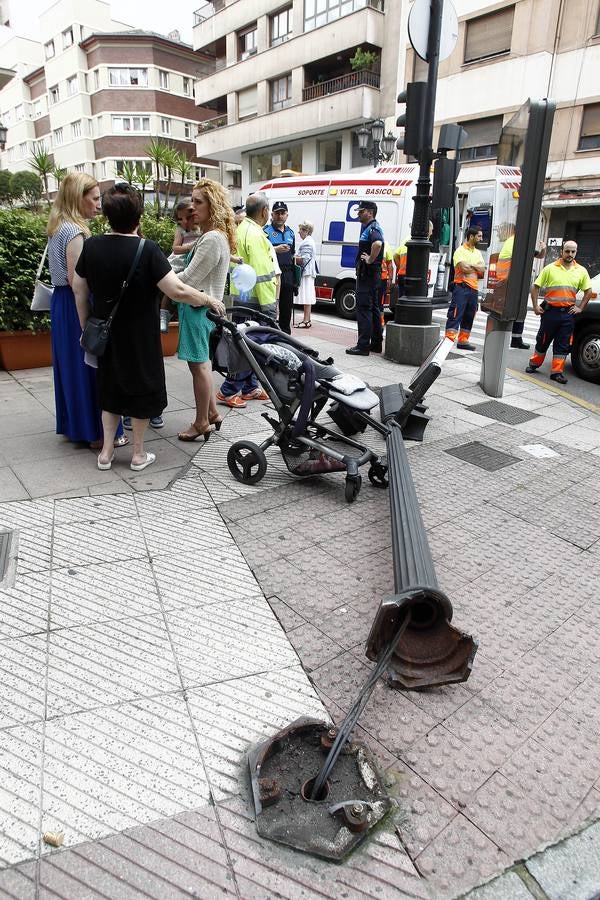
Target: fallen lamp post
[[327, 806]]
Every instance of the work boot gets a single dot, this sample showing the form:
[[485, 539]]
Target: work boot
[[531, 369], [466, 345], [558, 376], [517, 343]]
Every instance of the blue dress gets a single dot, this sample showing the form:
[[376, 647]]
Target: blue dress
[[75, 393]]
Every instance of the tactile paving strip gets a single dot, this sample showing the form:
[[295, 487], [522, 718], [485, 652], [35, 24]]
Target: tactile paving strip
[[502, 412], [484, 457]]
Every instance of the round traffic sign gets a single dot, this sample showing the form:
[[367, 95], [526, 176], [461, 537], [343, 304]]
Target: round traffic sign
[[418, 28]]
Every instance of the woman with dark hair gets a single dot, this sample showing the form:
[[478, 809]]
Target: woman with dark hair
[[131, 375], [206, 270], [76, 399]]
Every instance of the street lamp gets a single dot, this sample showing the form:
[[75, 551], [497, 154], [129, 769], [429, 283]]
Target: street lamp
[[3, 133], [383, 146]]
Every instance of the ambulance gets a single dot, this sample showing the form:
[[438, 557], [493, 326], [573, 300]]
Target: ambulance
[[331, 203]]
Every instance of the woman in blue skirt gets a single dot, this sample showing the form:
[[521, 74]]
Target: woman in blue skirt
[[76, 399]]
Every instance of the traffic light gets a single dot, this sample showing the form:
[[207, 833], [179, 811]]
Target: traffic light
[[413, 119], [445, 173]]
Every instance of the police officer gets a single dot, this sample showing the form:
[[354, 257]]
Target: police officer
[[284, 241], [368, 282], [559, 282]]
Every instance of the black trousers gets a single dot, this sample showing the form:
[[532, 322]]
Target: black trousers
[[286, 301], [368, 314]]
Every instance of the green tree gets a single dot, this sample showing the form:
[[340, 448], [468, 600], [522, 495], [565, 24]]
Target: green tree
[[155, 151], [143, 177], [43, 164], [184, 169], [170, 160], [26, 186], [22, 241], [128, 172], [58, 174], [362, 59], [6, 194]]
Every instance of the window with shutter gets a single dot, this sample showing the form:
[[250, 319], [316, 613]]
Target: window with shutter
[[489, 35], [483, 137], [590, 128], [247, 102]]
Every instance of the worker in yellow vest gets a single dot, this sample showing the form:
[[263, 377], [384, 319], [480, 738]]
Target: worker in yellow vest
[[469, 267], [503, 265], [559, 282]]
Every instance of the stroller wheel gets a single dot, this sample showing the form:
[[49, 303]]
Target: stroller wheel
[[353, 484], [247, 462], [378, 475]]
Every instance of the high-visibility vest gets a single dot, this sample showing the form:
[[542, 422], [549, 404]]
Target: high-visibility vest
[[255, 249], [560, 284], [387, 263], [505, 259], [400, 259], [471, 258]]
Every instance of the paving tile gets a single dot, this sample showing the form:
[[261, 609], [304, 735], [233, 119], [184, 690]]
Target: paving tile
[[105, 541], [237, 638], [459, 857], [341, 678], [516, 822], [571, 868], [312, 646], [423, 813], [230, 717], [583, 704], [22, 680], [34, 549], [21, 766], [106, 663], [174, 532], [11, 488], [196, 578], [25, 606], [43, 477], [564, 735], [98, 593], [347, 626], [93, 509], [517, 702], [116, 767], [507, 887], [287, 618], [18, 883]]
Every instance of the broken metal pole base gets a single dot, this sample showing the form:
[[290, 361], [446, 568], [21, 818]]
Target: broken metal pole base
[[282, 771], [431, 652]]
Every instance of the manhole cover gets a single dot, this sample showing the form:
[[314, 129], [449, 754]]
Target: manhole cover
[[5, 541], [483, 456], [502, 412]]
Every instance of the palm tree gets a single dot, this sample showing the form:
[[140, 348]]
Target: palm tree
[[58, 174], [143, 177], [170, 160], [185, 170], [42, 163], [156, 152], [128, 172]]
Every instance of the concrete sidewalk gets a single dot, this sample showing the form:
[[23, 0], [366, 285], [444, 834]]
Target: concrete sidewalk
[[159, 623]]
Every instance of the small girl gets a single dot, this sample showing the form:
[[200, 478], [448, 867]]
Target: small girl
[[186, 235]]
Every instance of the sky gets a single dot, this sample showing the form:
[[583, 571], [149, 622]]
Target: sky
[[152, 15]]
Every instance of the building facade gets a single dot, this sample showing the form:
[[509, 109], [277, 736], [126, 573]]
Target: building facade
[[96, 92], [506, 53], [284, 93]]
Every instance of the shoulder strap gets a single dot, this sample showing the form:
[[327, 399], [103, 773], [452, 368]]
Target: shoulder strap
[[41, 265], [125, 284]]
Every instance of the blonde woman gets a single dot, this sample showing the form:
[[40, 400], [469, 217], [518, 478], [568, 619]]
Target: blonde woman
[[306, 258], [77, 409], [206, 271]]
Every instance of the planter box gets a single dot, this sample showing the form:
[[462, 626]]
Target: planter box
[[169, 341], [25, 350]]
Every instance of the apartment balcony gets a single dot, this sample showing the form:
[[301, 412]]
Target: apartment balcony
[[346, 82], [337, 109], [336, 41]]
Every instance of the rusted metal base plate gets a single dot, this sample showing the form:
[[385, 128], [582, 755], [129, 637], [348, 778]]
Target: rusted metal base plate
[[356, 800]]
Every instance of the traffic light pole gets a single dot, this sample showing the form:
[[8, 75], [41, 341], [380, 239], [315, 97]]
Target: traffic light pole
[[414, 309]]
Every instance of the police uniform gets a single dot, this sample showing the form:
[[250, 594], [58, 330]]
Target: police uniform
[[559, 285], [368, 289], [285, 259], [461, 312]]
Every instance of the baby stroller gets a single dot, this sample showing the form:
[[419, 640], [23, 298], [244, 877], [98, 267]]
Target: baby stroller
[[299, 386]]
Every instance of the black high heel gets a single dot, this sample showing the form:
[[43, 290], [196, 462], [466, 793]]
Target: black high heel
[[216, 423], [189, 436]]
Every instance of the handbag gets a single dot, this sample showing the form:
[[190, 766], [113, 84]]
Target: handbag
[[42, 294], [97, 331], [297, 275]]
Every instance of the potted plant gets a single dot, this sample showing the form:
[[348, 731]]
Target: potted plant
[[363, 59], [24, 335]]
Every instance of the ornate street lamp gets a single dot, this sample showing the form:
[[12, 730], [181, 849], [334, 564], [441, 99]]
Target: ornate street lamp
[[382, 145]]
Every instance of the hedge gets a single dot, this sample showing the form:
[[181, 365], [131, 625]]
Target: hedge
[[22, 242]]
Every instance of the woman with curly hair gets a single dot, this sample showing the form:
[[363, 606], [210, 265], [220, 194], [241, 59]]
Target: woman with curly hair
[[75, 393], [206, 271]]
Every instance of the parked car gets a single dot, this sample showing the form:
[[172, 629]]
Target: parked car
[[585, 352]]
